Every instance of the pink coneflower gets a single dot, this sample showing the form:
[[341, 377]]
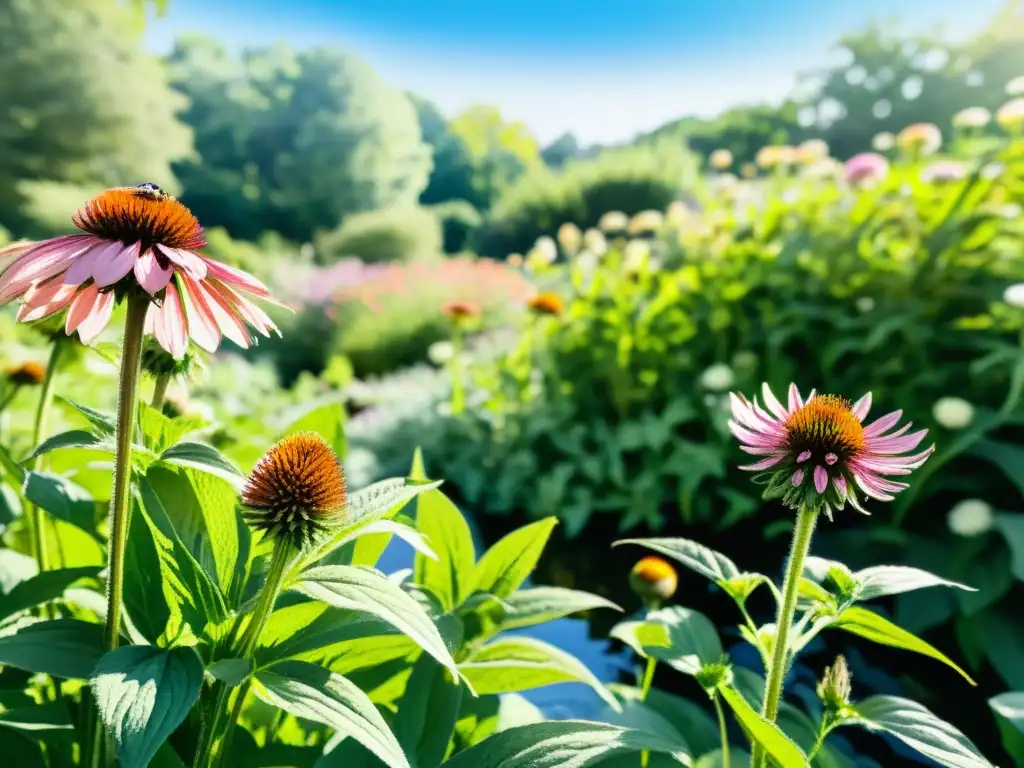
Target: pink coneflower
[[866, 167], [137, 238], [818, 452]]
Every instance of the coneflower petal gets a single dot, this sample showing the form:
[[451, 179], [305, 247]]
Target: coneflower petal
[[80, 308], [820, 479], [191, 264], [80, 270], [794, 398], [237, 277], [879, 426], [773, 402], [171, 327], [887, 445], [113, 262], [201, 323], [97, 319], [862, 406], [151, 276], [771, 461]]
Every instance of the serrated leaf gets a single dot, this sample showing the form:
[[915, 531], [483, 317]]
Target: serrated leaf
[[357, 588], [313, 693], [143, 694], [450, 577], [506, 565], [512, 664], [708, 563], [883, 580], [919, 729], [864, 623], [62, 648], [160, 432], [75, 438], [100, 421], [775, 743], [557, 744], [43, 587], [537, 605], [203, 458]]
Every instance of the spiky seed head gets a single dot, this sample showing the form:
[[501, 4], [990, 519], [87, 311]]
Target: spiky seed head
[[297, 490]]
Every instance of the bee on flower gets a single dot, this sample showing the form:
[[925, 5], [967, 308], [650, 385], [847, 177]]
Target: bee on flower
[[141, 241], [818, 453]]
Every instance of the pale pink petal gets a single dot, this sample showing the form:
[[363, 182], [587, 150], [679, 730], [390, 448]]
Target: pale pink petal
[[93, 325], [794, 398], [252, 314], [752, 438], [82, 268], [81, 307], [44, 301], [879, 426], [201, 323], [831, 459], [113, 262], [243, 280], [171, 328], [40, 264], [803, 456], [773, 403], [866, 483], [759, 451], [798, 477], [191, 264], [820, 479], [890, 445], [840, 485], [230, 324], [862, 406], [151, 275], [771, 461]]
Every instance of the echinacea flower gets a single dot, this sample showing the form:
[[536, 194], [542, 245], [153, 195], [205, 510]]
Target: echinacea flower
[[546, 304], [26, 375], [137, 239], [817, 452], [972, 117], [720, 159], [971, 517], [653, 579], [865, 168], [297, 490], [920, 138], [459, 310]]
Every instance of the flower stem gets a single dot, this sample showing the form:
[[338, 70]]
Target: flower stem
[[458, 394], [722, 730], [802, 534], [37, 521], [207, 752], [645, 688], [160, 391], [131, 352]]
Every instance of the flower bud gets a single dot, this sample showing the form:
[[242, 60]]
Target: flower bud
[[297, 490], [834, 688], [653, 579]]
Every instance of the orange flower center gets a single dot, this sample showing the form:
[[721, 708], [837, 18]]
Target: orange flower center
[[826, 424], [144, 214], [654, 569]]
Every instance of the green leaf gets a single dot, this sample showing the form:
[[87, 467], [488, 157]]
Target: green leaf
[[714, 759], [919, 729], [231, 672], [450, 577], [313, 693], [205, 459], [43, 587], [696, 726], [864, 623], [1009, 458], [427, 713], [639, 717], [62, 648], [883, 580], [1009, 708], [775, 743], [143, 694], [557, 744], [708, 563], [342, 555], [1012, 529], [506, 565], [357, 588], [160, 432], [327, 419], [529, 607], [511, 664], [692, 639], [99, 421], [640, 635], [61, 498], [75, 438]]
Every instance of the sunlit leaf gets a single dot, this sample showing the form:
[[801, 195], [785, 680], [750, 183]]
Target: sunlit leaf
[[62, 647], [708, 563], [507, 564], [775, 743], [450, 576]]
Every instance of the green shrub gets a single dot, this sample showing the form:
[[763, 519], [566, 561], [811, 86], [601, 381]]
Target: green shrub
[[630, 180], [459, 221], [388, 235]]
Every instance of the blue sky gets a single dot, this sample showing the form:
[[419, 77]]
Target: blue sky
[[603, 69]]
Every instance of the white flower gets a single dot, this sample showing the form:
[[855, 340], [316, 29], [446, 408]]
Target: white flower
[[970, 517], [595, 242], [717, 378], [1016, 86], [883, 142], [992, 171], [613, 221], [953, 412], [569, 237], [440, 352], [972, 117], [544, 250], [636, 254], [645, 222], [586, 261], [1014, 295]]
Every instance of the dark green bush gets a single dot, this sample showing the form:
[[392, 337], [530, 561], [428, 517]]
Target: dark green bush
[[388, 235]]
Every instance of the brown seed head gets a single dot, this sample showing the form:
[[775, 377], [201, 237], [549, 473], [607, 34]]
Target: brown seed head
[[144, 214], [296, 490], [26, 374], [547, 304]]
